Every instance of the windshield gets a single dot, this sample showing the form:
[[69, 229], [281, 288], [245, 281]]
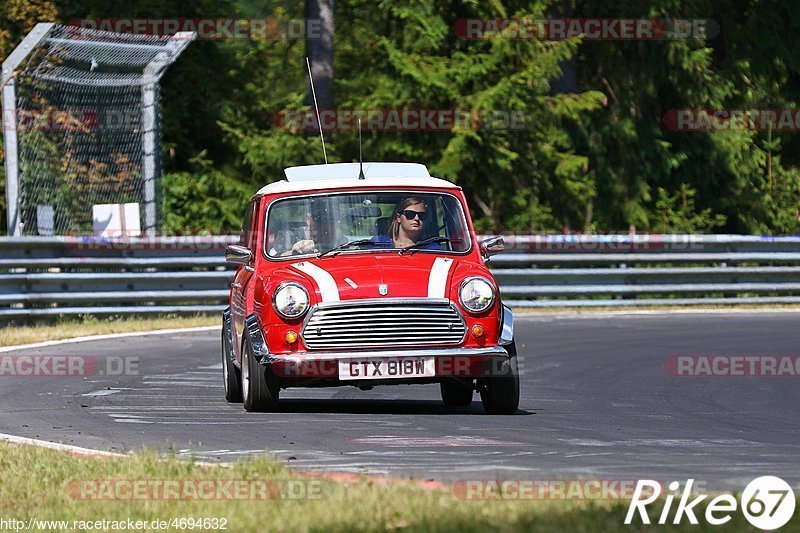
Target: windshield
[[369, 221]]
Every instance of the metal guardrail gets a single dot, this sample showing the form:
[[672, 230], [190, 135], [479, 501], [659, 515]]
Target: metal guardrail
[[42, 277]]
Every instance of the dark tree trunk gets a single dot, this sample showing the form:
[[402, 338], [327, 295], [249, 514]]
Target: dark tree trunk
[[319, 49], [568, 82]]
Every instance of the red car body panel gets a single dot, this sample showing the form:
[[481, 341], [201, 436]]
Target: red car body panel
[[357, 275]]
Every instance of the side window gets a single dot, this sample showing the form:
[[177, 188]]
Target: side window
[[246, 237]]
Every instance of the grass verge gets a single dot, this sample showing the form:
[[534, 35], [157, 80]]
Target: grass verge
[[12, 335], [43, 484]]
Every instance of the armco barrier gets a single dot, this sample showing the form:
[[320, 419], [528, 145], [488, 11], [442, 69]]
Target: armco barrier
[[42, 277]]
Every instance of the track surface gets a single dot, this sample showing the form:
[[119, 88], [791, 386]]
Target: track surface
[[596, 402]]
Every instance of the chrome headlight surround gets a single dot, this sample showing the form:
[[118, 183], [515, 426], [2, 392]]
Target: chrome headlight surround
[[290, 300], [476, 294]]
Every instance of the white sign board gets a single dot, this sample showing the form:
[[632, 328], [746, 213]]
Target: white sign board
[[45, 220], [116, 220]]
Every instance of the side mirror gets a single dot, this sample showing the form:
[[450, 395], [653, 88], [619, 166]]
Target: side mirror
[[493, 246], [238, 255]]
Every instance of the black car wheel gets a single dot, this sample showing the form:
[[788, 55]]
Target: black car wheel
[[500, 392], [230, 374], [456, 393], [259, 387]]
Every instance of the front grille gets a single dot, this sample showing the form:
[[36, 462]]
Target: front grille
[[383, 324]]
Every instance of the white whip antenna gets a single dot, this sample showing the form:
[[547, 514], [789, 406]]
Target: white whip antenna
[[316, 107]]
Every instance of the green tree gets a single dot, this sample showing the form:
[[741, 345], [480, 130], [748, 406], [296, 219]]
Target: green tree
[[594, 152], [203, 201], [394, 56], [736, 176]]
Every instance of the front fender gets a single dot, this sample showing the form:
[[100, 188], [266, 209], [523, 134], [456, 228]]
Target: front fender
[[227, 331], [256, 339], [506, 327]]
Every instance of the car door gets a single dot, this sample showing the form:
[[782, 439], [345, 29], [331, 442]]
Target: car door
[[242, 279]]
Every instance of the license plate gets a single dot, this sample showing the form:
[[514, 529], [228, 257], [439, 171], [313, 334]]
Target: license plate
[[387, 368]]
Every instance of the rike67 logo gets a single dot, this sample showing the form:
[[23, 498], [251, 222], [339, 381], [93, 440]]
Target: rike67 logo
[[767, 502]]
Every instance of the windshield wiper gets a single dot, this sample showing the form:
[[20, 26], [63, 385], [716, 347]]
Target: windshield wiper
[[410, 249], [341, 247]]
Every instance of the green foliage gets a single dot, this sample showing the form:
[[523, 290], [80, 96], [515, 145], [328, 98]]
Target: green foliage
[[524, 178], [746, 178], [677, 213], [203, 201], [18, 17], [594, 154]]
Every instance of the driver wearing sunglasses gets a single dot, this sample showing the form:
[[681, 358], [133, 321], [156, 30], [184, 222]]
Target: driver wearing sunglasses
[[408, 224]]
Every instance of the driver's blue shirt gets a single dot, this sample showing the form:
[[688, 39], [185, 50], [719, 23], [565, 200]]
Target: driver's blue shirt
[[382, 241]]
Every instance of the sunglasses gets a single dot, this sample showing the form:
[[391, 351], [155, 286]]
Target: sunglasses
[[410, 214]]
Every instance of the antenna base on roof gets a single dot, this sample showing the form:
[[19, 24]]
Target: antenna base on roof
[[361, 175]]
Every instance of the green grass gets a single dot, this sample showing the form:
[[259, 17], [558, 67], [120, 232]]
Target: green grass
[[67, 328], [36, 483]]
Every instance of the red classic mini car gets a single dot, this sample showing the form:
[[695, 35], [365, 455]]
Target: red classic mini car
[[365, 276]]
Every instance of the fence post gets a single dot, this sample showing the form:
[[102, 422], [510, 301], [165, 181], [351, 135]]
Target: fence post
[[12, 161], [150, 102], [10, 139]]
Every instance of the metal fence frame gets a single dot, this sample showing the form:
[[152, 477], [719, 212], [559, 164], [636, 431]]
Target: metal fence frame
[[42, 277], [151, 142]]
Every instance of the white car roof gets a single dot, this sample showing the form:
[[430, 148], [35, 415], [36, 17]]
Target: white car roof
[[341, 175]]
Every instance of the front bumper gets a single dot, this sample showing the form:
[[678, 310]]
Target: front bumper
[[449, 362], [455, 362], [379, 354]]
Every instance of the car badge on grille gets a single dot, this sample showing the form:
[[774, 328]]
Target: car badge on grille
[[383, 289]]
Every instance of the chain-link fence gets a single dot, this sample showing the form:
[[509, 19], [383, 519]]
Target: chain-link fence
[[88, 129]]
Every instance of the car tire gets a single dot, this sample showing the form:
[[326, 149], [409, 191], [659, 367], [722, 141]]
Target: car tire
[[500, 393], [456, 393], [259, 387], [231, 375]]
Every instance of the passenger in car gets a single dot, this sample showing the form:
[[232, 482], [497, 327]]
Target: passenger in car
[[320, 233], [407, 225]]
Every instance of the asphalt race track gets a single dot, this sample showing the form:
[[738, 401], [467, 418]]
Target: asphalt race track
[[596, 402]]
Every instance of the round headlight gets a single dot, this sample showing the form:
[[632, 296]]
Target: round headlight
[[476, 295], [290, 300]]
